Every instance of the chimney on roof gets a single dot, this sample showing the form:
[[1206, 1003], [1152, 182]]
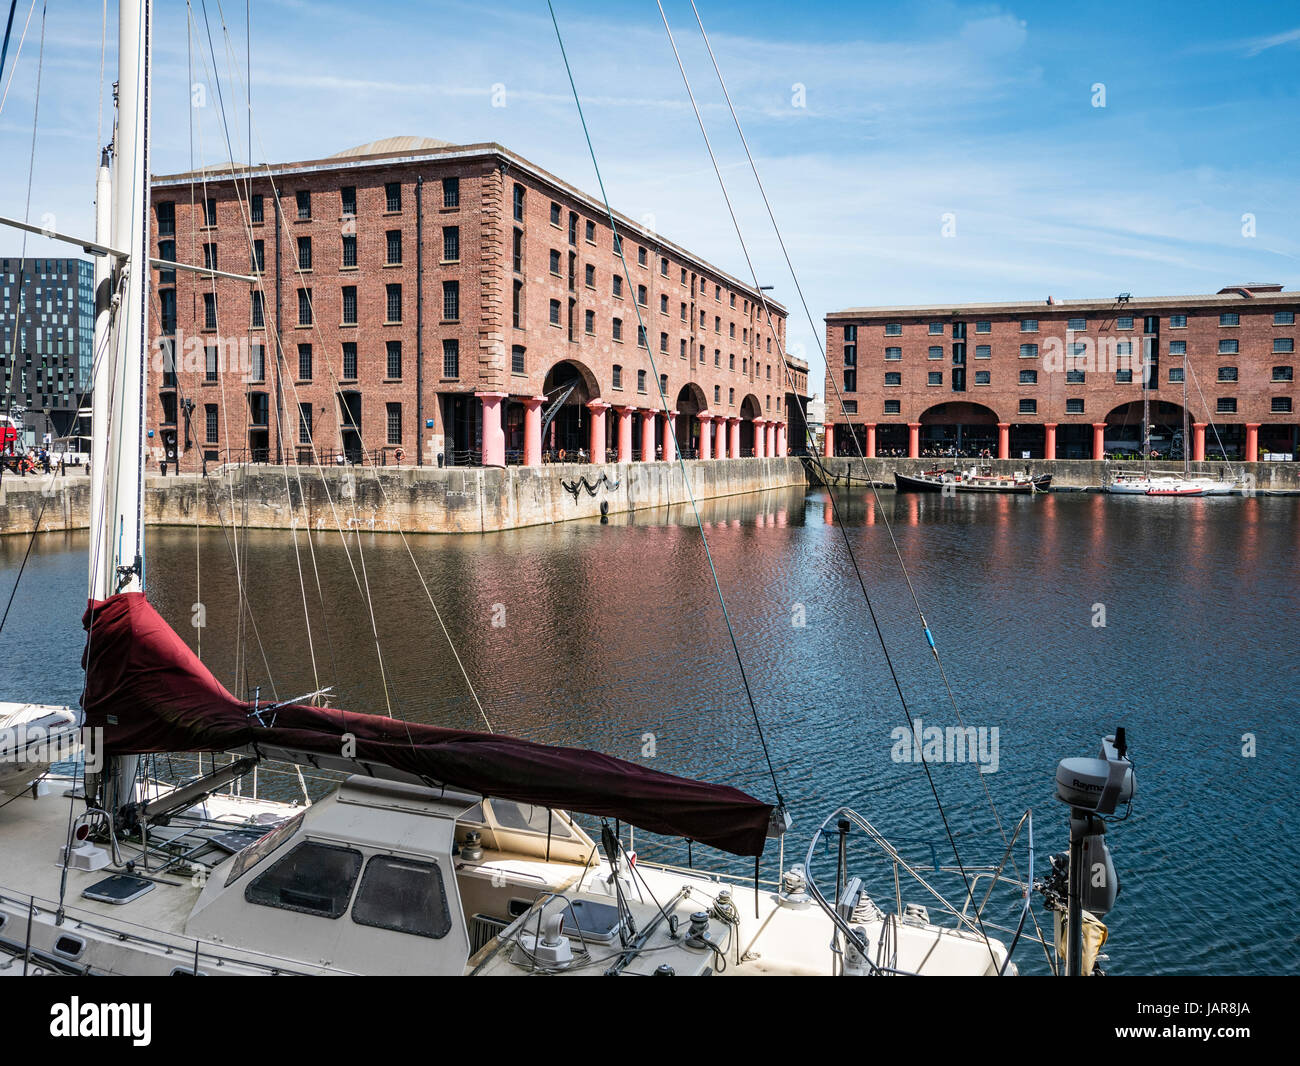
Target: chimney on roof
[[1050, 301]]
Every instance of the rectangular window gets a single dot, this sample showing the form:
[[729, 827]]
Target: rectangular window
[[617, 378], [893, 354], [1230, 318], [1228, 347], [1074, 377], [982, 377], [209, 362], [617, 331], [393, 302], [517, 252], [851, 334], [304, 362], [451, 358], [209, 212], [1175, 375], [451, 244], [555, 262], [936, 352], [1177, 321], [519, 203], [983, 327], [166, 219], [1028, 407], [1029, 351], [555, 313], [1226, 405], [349, 305], [209, 310], [1029, 377], [304, 307], [394, 423], [1280, 405], [304, 204], [641, 343], [555, 214], [934, 377], [259, 256], [209, 257], [893, 377], [589, 322], [210, 422], [1283, 344], [1074, 406], [1283, 373], [517, 305], [393, 196], [451, 192], [983, 351], [640, 381], [1284, 318], [618, 286], [393, 247], [1227, 373], [166, 250], [258, 314], [304, 423], [1177, 347], [591, 232], [304, 253], [393, 352], [1124, 322], [573, 228], [893, 329], [517, 354], [1077, 324], [257, 363], [893, 407], [1029, 325], [349, 361], [936, 328], [451, 301], [1123, 377], [348, 200], [349, 250]]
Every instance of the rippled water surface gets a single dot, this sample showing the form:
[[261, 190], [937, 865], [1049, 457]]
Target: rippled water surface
[[611, 636]]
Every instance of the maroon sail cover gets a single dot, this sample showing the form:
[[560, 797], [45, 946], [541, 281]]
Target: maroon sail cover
[[151, 694]]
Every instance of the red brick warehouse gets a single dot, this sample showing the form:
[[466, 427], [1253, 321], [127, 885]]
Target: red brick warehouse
[[1064, 379], [422, 302]]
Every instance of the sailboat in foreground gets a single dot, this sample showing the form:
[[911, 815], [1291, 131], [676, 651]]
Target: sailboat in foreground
[[443, 851]]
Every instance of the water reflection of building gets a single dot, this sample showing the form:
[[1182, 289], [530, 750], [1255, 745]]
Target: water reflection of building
[[454, 303], [1065, 379]]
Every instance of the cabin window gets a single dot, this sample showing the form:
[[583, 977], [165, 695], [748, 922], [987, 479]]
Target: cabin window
[[311, 879], [404, 895], [255, 853]]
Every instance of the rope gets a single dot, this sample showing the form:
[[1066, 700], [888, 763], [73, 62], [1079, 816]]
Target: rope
[[643, 332]]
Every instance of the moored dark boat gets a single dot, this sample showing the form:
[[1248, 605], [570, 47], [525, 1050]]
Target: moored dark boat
[[971, 480]]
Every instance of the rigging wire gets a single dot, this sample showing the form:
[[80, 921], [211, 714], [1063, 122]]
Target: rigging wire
[[642, 332], [18, 54], [878, 503], [871, 610]]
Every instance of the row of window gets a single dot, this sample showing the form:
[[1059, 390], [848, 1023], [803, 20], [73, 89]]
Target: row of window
[[306, 308], [894, 378], [1224, 405], [303, 198], [1030, 325], [1077, 349]]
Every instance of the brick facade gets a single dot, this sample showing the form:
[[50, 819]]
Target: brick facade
[[1066, 376], [425, 379]]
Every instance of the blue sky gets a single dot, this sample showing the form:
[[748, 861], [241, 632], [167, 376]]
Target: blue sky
[[913, 112]]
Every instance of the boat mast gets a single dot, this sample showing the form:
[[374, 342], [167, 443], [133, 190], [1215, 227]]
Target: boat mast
[[117, 545], [118, 554], [1187, 466]]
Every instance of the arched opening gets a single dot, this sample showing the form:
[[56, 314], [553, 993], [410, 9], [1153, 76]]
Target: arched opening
[[690, 402], [1123, 436], [566, 425], [750, 409], [959, 429]]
